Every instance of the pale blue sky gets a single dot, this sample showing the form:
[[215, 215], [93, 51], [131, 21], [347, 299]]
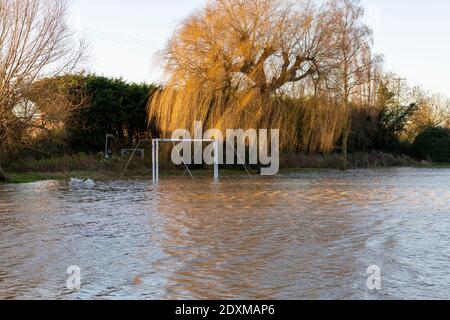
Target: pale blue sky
[[413, 35]]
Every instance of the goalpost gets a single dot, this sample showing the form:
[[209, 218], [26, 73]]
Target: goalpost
[[155, 155]]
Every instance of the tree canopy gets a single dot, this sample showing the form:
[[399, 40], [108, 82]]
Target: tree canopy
[[249, 64]]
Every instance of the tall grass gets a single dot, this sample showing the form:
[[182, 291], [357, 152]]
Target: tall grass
[[355, 160], [78, 162]]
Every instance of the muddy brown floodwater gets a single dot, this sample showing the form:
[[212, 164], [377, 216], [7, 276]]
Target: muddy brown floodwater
[[309, 235]]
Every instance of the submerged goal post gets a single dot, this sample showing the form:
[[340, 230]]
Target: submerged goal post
[[155, 155]]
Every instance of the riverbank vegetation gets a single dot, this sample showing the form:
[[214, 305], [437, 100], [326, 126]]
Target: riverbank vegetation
[[305, 68], [95, 167], [83, 165]]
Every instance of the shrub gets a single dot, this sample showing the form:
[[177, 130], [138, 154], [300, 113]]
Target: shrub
[[433, 144], [3, 176]]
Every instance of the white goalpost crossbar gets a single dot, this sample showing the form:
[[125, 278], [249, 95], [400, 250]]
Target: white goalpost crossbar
[[155, 155]]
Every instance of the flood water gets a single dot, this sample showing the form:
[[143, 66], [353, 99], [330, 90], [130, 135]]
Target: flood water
[[309, 235]]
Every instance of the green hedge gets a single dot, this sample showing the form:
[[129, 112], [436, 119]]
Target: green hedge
[[433, 144]]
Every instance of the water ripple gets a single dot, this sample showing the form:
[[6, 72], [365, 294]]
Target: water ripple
[[301, 235]]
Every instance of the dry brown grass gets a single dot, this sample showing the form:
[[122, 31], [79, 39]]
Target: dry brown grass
[[355, 161]]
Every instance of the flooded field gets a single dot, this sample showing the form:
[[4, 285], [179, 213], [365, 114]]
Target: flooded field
[[309, 235]]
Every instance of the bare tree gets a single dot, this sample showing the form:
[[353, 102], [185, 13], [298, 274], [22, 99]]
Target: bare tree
[[35, 42], [51, 102], [353, 59]]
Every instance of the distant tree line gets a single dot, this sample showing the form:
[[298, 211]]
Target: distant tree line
[[78, 110], [304, 67]]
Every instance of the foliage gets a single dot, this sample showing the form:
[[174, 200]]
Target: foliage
[[3, 175], [297, 66], [392, 123], [229, 63], [432, 111], [114, 107], [381, 127], [78, 110], [305, 69], [433, 144]]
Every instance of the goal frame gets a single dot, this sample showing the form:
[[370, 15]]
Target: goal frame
[[155, 155]]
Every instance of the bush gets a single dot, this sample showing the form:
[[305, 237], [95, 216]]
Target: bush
[[433, 144], [3, 176], [76, 162], [115, 107]]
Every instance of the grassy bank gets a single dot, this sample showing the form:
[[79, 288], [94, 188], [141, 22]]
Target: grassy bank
[[358, 160], [95, 167], [27, 177], [79, 165], [24, 178]]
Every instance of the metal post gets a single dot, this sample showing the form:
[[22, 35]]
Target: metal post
[[216, 160], [155, 155], [157, 161], [153, 161], [108, 136], [106, 147]]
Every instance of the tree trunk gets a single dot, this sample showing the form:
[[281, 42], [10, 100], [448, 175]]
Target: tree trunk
[[344, 149], [3, 176], [348, 124]]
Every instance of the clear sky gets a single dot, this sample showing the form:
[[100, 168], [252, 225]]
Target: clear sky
[[124, 35]]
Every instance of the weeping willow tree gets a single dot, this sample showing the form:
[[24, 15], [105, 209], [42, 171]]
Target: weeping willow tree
[[253, 64]]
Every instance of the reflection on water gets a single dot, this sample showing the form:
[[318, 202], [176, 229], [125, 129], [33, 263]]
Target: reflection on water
[[305, 235]]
